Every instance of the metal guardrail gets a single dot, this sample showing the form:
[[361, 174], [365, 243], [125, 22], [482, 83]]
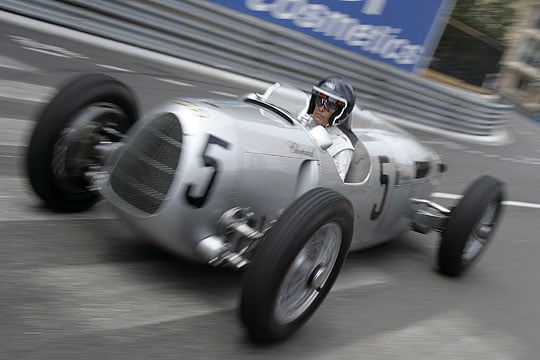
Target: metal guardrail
[[207, 33]]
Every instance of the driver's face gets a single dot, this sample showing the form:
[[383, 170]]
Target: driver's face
[[321, 115]]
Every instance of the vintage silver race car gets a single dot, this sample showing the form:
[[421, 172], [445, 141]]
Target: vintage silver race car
[[242, 183]]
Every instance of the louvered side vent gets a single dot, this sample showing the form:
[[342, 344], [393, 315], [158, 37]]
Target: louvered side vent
[[145, 172]]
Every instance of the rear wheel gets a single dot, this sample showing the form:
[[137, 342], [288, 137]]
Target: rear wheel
[[470, 226], [88, 114], [296, 265]]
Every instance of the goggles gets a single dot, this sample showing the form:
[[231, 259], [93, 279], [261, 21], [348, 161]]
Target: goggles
[[329, 103]]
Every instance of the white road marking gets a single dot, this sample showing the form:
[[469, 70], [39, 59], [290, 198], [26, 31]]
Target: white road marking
[[221, 93], [15, 132], [350, 279], [10, 63], [133, 51], [54, 50], [507, 202], [50, 216], [530, 159], [48, 52], [176, 82], [521, 204], [28, 209], [24, 91], [115, 296], [19, 203], [448, 336], [446, 196], [116, 68]]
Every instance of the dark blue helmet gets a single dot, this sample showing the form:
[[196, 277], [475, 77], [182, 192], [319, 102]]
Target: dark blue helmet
[[337, 95]]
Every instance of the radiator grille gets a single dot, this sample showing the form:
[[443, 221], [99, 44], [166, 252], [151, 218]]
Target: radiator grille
[[146, 169]]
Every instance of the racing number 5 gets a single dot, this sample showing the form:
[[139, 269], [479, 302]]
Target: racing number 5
[[198, 201]]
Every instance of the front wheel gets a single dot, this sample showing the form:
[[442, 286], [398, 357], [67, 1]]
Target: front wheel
[[88, 112], [296, 264], [470, 226]]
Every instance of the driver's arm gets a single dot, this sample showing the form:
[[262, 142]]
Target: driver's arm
[[343, 160], [341, 151]]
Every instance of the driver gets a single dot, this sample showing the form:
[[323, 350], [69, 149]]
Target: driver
[[331, 103]]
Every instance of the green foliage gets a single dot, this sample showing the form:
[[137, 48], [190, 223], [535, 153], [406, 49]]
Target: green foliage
[[492, 17], [469, 52]]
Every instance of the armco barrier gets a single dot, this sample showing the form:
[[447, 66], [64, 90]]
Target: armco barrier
[[207, 33]]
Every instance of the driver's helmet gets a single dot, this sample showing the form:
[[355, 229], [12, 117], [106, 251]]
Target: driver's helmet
[[337, 95]]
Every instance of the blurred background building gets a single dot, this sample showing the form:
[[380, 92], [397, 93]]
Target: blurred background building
[[520, 67], [493, 45]]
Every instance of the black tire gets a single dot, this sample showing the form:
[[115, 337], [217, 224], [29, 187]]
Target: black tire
[[317, 209], [470, 226], [71, 193]]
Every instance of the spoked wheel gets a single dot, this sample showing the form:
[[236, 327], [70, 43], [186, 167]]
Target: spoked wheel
[[296, 264], [72, 137], [470, 226]]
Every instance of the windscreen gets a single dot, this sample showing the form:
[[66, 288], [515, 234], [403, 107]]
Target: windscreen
[[287, 97], [294, 101]]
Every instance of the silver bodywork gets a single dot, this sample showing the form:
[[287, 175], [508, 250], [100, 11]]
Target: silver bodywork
[[252, 154]]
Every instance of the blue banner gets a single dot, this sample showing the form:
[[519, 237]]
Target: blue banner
[[398, 32]]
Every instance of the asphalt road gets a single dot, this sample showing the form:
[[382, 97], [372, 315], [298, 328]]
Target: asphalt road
[[85, 286]]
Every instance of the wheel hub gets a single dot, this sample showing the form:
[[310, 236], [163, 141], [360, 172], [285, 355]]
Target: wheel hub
[[483, 231], [308, 273], [79, 149], [317, 277]]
